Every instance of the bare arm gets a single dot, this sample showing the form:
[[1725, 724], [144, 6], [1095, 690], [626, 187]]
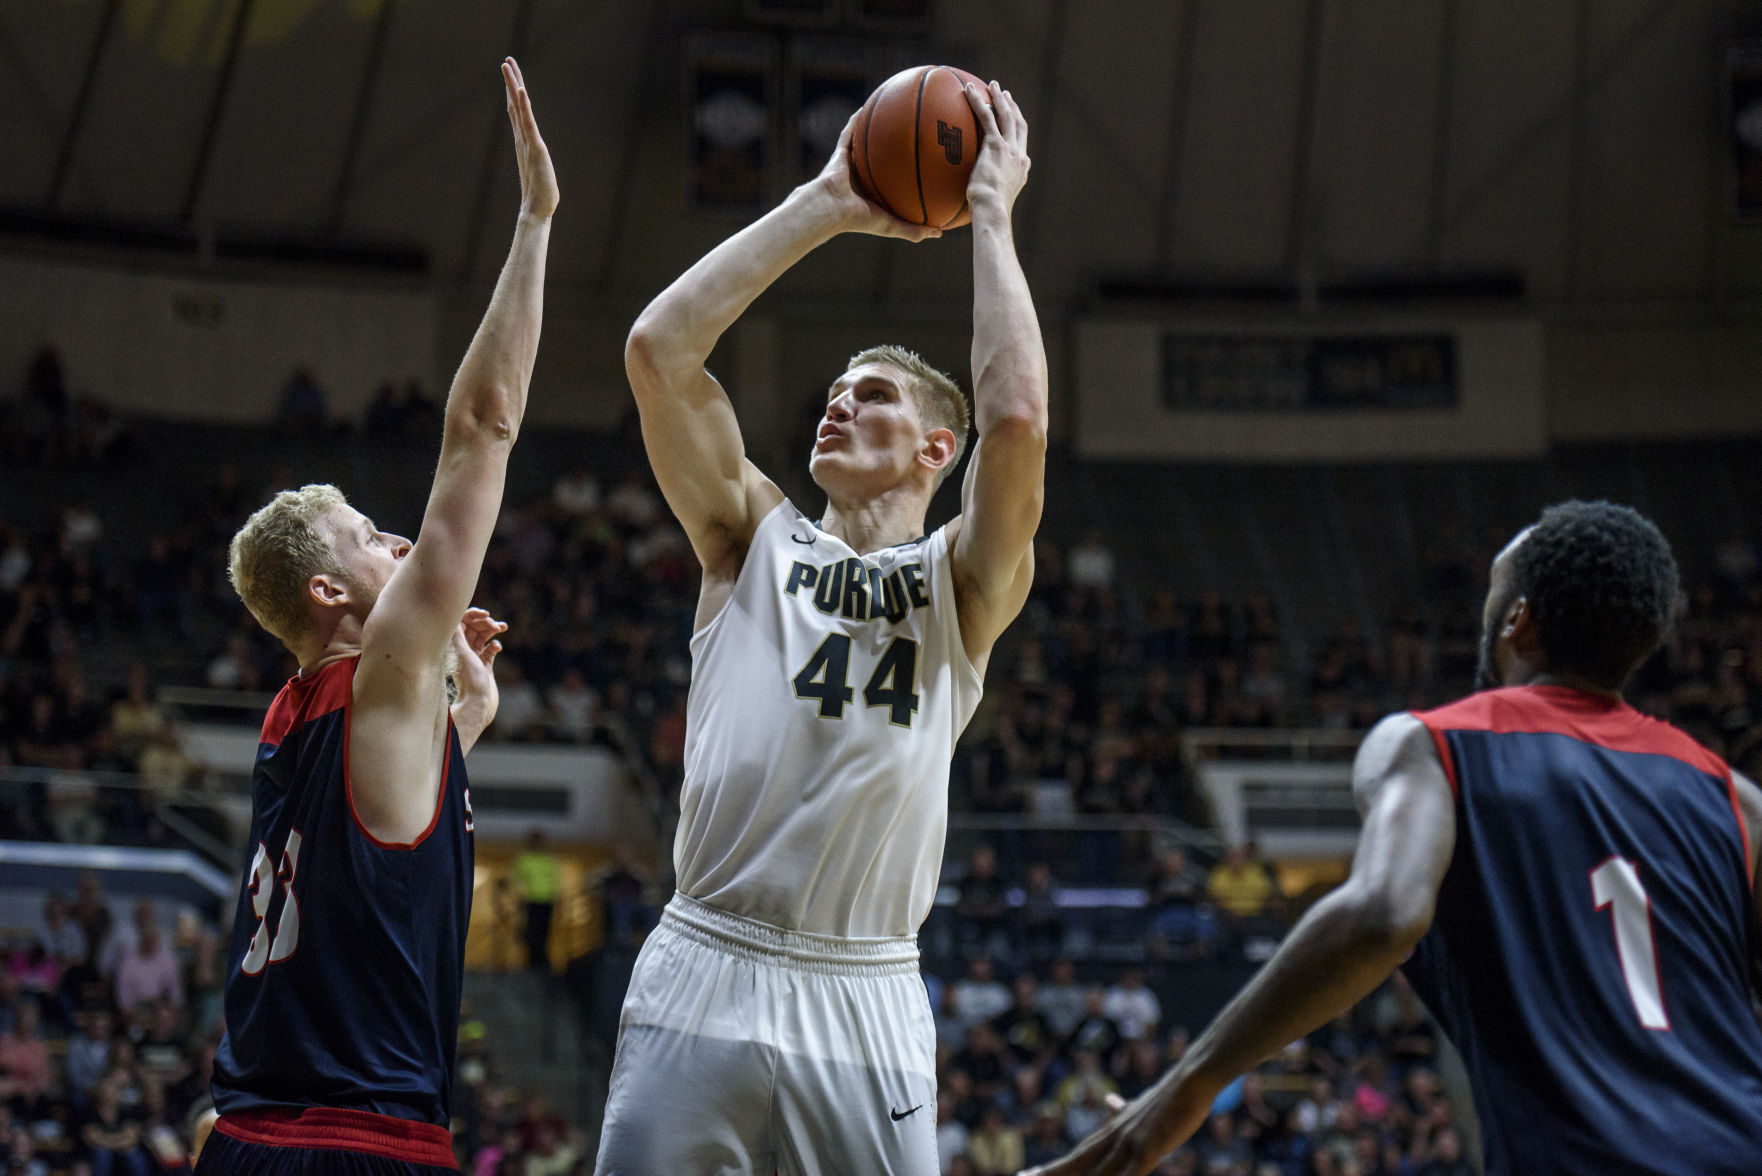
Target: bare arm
[[399, 683], [688, 424], [1342, 949], [1006, 479]]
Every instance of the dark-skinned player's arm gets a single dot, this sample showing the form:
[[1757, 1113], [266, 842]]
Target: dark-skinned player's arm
[[993, 541], [1338, 953], [1750, 809], [688, 425], [400, 678]]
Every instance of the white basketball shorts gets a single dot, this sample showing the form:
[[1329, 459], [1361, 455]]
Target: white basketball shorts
[[745, 1048]]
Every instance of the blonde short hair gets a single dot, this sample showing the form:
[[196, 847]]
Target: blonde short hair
[[277, 552], [940, 402]]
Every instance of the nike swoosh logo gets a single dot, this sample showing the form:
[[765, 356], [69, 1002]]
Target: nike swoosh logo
[[898, 1115], [809, 542]]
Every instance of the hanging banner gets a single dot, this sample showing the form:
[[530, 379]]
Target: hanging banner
[[829, 79], [1744, 121], [731, 117]]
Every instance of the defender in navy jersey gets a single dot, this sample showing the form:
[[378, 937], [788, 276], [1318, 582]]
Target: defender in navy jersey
[[348, 948], [1575, 884]]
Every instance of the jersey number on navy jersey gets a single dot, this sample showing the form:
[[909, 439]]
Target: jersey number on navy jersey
[[1616, 884], [826, 679], [263, 950]]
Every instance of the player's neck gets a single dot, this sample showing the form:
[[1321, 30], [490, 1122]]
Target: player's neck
[[343, 641], [895, 517], [1565, 680]]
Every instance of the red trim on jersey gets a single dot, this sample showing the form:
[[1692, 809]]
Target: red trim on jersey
[[1577, 714], [440, 796], [1444, 757], [344, 1130], [304, 699]]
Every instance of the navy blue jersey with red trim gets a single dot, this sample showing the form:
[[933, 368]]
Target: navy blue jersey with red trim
[[1590, 951], [347, 953]]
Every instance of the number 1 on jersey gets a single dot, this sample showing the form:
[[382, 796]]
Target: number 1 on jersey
[[1616, 884]]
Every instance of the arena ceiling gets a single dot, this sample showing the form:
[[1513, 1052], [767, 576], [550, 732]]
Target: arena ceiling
[[1575, 145]]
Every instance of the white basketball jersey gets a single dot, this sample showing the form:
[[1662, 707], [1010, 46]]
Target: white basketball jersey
[[826, 698]]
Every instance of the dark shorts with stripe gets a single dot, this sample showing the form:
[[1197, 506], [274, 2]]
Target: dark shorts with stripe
[[322, 1141]]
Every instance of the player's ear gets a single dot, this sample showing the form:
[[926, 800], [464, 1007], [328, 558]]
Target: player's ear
[[938, 449], [1518, 626], [327, 589]]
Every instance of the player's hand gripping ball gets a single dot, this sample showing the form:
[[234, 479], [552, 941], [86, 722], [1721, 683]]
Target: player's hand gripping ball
[[914, 143]]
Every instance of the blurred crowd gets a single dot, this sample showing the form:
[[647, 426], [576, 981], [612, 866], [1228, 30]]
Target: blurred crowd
[[1088, 696], [108, 1028], [1025, 1066]]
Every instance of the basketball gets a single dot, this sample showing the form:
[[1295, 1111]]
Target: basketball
[[914, 145]]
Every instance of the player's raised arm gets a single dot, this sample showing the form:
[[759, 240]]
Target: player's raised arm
[[1006, 479], [406, 635], [688, 424], [1339, 952]]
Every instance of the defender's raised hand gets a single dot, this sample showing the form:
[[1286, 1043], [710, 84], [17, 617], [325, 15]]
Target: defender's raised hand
[[475, 645], [538, 180], [1002, 167]]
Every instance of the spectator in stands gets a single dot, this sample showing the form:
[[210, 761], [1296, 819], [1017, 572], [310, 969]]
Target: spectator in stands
[[25, 1075], [88, 1054], [148, 971], [1061, 999], [1023, 1027], [539, 875], [1040, 921], [112, 1139], [61, 935], [996, 1149], [1095, 1032], [1133, 1007], [979, 997], [303, 409], [951, 1133], [1239, 884], [135, 717], [1090, 563], [235, 668], [162, 1053], [981, 909], [1183, 924], [1446, 1158], [576, 492], [1083, 1094], [633, 504], [572, 705], [521, 713]]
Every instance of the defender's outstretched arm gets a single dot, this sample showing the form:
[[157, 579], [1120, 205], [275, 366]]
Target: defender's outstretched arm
[[1337, 954], [688, 424], [1006, 479], [419, 610]]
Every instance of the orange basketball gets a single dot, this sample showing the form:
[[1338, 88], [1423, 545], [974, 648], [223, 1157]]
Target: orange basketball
[[914, 145]]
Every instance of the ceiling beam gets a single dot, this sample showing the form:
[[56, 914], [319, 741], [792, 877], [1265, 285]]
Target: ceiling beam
[[82, 101], [339, 196], [216, 111], [493, 150]]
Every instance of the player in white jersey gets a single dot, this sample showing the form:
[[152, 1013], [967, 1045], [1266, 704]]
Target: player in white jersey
[[776, 1020]]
